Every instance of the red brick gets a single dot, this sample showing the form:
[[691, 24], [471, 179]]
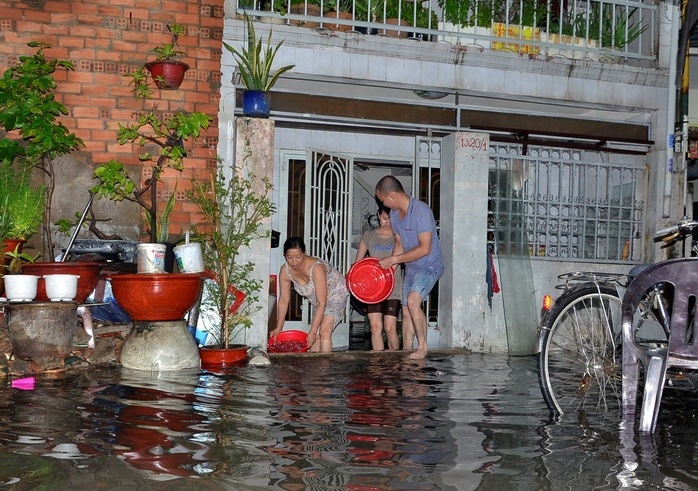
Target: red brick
[[84, 8], [124, 3], [29, 27], [73, 88], [68, 19], [71, 42], [173, 6], [39, 16], [57, 52], [57, 6], [10, 13], [94, 146], [103, 136], [83, 31], [82, 54], [110, 11], [84, 123], [140, 37], [118, 45], [59, 30], [84, 112]]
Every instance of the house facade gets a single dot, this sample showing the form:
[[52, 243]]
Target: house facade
[[576, 174]]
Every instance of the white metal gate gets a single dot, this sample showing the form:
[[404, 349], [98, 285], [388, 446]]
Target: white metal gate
[[328, 212], [426, 178]]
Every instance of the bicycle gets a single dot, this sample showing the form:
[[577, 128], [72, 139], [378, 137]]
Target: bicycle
[[580, 338]]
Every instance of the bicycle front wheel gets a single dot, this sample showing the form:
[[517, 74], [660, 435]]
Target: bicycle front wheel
[[579, 351]]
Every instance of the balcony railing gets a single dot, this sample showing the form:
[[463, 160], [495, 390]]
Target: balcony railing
[[576, 29]]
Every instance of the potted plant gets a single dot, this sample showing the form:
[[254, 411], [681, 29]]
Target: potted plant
[[309, 8], [233, 214], [338, 9], [255, 63], [22, 206], [167, 72], [18, 286], [29, 113], [167, 133]]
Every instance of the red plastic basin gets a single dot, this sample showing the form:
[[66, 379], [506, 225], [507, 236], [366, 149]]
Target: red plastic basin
[[292, 341]]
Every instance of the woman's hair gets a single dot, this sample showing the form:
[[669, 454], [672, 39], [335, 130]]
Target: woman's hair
[[294, 243], [383, 209]]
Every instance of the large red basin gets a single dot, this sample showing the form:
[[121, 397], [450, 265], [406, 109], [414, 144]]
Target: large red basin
[[156, 297], [88, 271]]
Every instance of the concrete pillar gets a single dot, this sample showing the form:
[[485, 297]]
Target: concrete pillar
[[465, 319], [254, 155]]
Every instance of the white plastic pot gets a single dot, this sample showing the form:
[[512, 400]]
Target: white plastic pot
[[20, 287], [61, 287]]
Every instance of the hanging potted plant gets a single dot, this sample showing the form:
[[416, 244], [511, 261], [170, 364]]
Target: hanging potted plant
[[254, 63], [233, 215], [167, 72]]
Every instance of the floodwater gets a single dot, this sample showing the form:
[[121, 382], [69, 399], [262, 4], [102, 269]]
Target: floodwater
[[342, 421]]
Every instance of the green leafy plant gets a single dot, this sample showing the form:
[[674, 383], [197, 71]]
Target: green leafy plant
[[162, 231], [17, 259], [168, 51], [233, 213], [29, 112], [168, 134], [255, 62], [22, 204]]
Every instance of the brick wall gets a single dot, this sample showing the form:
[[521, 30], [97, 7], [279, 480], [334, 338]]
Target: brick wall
[[107, 39]]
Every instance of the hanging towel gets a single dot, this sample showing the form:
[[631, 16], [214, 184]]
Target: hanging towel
[[491, 279]]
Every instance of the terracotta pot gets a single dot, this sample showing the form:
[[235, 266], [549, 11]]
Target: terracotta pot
[[337, 15], [395, 34], [313, 11], [9, 245], [212, 357], [88, 271], [172, 73], [156, 297]]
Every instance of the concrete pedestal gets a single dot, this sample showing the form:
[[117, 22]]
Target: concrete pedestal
[[160, 346]]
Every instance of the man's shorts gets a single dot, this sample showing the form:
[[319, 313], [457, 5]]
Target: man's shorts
[[421, 281]]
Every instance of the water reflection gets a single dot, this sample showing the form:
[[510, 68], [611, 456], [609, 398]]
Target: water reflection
[[345, 421]]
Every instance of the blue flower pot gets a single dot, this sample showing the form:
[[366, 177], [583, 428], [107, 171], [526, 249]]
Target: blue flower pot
[[256, 104]]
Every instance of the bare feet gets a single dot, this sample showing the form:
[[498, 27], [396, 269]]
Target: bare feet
[[417, 355]]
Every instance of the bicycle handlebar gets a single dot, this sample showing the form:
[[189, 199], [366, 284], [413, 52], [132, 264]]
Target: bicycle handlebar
[[683, 228]]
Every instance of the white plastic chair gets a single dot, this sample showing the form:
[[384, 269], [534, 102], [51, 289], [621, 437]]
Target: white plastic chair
[[682, 348]]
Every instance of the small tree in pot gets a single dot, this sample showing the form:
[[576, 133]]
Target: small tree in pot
[[168, 134], [30, 113], [233, 213]]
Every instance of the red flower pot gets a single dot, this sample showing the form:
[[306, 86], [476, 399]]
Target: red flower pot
[[88, 271], [156, 297], [212, 357], [172, 73]]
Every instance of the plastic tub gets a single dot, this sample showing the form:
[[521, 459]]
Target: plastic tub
[[292, 341]]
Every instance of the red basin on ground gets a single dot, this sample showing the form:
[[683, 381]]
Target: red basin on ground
[[156, 297], [88, 271], [292, 341]]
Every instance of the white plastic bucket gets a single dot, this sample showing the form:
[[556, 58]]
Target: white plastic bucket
[[151, 258], [189, 258], [61, 287]]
